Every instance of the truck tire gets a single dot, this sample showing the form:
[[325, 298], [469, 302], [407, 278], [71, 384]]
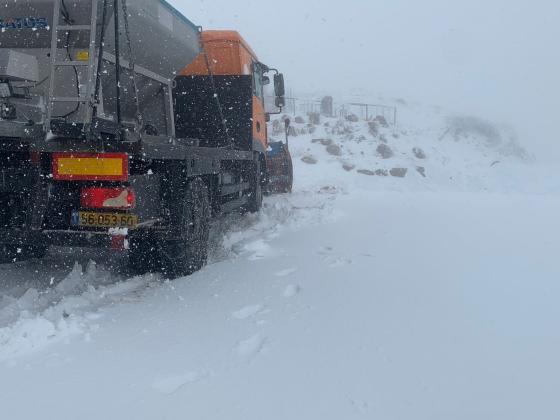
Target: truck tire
[[257, 179], [289, 168], [188, 253]]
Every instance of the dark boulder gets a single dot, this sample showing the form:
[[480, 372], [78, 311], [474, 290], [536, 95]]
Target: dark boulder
[[385, 151], [398, 172]]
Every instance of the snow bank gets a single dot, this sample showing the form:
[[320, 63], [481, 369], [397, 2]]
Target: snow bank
[[43, 316]]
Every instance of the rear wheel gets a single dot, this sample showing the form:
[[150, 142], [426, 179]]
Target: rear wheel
[[188, 252]]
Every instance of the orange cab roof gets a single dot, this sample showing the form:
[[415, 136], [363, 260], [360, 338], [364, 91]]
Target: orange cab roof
[[226, 36]]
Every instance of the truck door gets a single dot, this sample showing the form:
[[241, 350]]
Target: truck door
[[259, 115]]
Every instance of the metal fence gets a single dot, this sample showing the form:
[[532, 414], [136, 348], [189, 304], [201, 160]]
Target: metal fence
[[369, 112], [363, 111], [297, 106]]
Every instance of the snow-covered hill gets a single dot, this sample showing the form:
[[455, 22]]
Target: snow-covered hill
[[420, 285], [438, 151]]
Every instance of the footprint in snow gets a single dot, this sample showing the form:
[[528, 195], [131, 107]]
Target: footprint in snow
[[326, 250], [335, 262], [258, 250], [291, 291], [250, 348], [248, 312], [285, 273], [172, 384]]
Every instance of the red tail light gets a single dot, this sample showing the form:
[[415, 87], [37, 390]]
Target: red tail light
[[108, 198]]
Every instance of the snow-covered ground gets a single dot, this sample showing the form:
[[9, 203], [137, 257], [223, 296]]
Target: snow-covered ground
[[359, 296]]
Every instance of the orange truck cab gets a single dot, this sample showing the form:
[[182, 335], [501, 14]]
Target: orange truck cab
[[229, 66]]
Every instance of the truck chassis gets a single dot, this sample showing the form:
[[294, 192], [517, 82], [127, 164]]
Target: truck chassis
[[179, 188]]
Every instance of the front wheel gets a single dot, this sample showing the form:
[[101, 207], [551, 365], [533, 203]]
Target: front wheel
[[257, 179]]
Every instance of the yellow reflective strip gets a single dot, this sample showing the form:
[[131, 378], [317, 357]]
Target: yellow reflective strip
[[90, 166]]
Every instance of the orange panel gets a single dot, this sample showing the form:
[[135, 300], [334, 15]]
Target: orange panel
[[223, 59], [226, 36], [259, 122], [228, 55]]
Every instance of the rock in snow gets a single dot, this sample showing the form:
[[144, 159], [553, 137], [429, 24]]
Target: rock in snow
[[334, 150], [366, 172], [324, 142], [385, 151], [398, 172], [419, 153], [310, 160]]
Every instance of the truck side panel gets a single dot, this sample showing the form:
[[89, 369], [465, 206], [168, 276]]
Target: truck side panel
[[197, 115]]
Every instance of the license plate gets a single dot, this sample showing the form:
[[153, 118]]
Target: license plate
[[104, 220]]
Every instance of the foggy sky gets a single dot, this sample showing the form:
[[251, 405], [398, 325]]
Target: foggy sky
[[494, 58]]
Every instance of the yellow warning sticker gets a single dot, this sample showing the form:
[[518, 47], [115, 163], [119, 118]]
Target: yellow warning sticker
[[82, 56]]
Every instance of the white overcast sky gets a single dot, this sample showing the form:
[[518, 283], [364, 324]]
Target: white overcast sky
[[494, 58]]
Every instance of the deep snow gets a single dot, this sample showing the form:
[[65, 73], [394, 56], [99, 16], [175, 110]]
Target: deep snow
[[355, 297]]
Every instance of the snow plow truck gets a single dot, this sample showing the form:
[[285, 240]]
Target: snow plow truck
[[125, 126]]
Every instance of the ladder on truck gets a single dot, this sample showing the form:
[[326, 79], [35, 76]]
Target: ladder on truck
[[88, 99]]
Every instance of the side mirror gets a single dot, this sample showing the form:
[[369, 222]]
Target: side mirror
[[280, 102], [265, 80], [279, 87]]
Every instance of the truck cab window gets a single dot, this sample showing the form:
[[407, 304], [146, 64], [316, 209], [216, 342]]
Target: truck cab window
[[257, 81]]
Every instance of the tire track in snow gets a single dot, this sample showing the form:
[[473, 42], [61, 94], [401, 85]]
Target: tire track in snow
[[44, 302]]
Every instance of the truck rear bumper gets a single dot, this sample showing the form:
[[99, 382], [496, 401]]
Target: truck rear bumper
[[107, 240]]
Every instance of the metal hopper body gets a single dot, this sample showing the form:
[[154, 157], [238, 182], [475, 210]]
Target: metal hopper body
[[59, 90]]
